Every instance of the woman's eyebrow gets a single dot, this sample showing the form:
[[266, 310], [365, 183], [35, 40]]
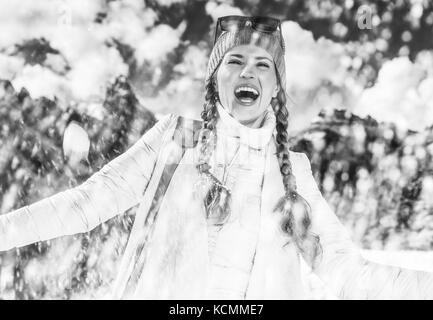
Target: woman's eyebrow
[[236, 55], [260, 58]]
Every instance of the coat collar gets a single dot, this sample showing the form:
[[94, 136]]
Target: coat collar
[[256, 138]]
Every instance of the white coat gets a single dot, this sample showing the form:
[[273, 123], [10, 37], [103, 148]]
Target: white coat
[[167, 255]]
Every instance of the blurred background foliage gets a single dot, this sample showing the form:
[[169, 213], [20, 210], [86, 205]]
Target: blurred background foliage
[[373, 167]]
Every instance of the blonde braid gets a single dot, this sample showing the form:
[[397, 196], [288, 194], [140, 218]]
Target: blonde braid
[[207, 136], [296, 211], [217, 198]]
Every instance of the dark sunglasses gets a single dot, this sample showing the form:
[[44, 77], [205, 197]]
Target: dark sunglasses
[[260, 24]]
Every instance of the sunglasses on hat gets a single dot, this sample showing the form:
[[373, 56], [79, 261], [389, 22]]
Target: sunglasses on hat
[[258, 23]]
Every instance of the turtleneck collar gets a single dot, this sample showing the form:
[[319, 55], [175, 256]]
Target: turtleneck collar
[[254, 137]]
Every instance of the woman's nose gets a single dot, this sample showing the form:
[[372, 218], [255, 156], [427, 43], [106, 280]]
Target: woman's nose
[[247, 72]]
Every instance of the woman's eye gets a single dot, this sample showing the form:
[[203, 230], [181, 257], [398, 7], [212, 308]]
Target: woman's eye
[[263, 65], [235, 61]]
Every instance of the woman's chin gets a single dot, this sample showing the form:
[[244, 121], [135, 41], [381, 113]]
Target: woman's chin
[[244, 117]]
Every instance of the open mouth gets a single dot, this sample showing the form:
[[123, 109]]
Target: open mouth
[[246, 94]]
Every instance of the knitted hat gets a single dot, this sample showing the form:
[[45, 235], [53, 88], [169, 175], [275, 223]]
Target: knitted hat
[[247, 35]]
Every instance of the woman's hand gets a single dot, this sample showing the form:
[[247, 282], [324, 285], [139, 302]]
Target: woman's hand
[[341, 265], [118, 186]]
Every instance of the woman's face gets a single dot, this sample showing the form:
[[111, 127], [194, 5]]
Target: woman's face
[[246, 82]]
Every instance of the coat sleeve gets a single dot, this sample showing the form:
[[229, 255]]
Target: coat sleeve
[[341, 265], [115, 188]]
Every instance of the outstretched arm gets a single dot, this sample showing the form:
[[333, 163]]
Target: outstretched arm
[[112, 190], [343, 268]]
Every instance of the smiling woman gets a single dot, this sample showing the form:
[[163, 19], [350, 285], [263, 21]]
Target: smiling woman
[[247, 82], [226, 210]]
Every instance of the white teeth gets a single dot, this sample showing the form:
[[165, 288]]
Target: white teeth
[[247, 89]]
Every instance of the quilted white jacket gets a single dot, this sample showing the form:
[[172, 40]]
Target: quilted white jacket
[[167, 253]]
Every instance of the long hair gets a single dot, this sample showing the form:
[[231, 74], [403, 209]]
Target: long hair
[[296, 212]]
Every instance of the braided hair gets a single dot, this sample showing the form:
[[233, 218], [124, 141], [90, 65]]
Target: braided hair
[[296, 212], [217, 198]]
